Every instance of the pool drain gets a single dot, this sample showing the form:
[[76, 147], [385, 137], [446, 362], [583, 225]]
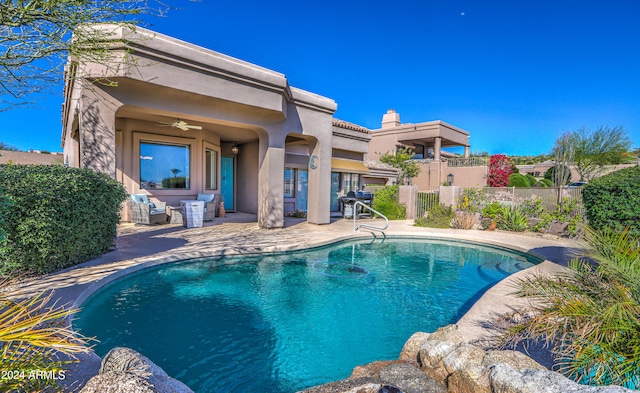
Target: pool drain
[[340, 269]]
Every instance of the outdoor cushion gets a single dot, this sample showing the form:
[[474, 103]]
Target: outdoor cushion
[[140, 198], [206, 198], [156, 211]]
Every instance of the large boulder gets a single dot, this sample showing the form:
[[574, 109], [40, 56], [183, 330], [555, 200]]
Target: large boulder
[[410, 379], [467, 373], [124, 370], [505, 379], [412, 346]]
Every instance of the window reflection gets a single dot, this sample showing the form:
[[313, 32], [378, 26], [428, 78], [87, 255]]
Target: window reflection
[[164, 166]]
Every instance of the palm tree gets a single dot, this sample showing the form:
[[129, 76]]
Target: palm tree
[[590, 315]]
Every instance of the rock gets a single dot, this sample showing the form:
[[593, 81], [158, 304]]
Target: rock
[[122, 382], [357, 385], [124, 370], [514, 359], [448, 333], [126, 359], [410, 379], [413, 345], [371, 370], [505, 379], [466, 371], [431, 359], [558, 228]]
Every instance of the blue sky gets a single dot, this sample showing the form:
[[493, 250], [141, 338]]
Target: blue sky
[[515, 74]]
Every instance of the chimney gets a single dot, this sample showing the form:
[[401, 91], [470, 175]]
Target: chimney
[[390, 119]]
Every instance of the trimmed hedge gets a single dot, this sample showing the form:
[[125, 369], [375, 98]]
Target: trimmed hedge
[[613, 201], [58, 216], [518, 180]]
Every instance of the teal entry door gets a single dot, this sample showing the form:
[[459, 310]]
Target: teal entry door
[[226, 182]]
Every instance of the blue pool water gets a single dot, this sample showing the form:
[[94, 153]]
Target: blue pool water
[[282, 323]]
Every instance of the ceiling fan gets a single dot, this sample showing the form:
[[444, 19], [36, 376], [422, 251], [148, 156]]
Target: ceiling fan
[[181, 124]]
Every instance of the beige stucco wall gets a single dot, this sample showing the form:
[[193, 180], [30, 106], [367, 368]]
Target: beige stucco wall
[[231, 100]]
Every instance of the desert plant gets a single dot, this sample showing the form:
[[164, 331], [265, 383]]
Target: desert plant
[[439, 216], [512, 220], [33, 339], [613, 200], [473, 199], [590, 314], [566, 211], [463, 220]]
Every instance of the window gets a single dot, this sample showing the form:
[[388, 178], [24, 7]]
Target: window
[[289, 182], [164, 166], [211, 169], [350, 182]]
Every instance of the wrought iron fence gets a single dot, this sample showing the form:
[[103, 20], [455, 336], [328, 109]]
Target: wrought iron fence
[[425, 201], [466, 162]]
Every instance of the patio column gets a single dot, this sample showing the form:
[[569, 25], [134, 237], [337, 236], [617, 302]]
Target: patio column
[[97, 131], [271, 186], [436, 149], [318, 207], [466, 151]]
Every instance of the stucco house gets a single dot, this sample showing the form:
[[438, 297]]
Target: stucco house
[[426, 140], [176, 120]]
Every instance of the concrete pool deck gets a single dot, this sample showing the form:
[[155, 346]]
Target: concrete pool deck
[[138, 247]]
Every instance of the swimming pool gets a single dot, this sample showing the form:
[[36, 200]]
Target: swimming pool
[[282, 323]]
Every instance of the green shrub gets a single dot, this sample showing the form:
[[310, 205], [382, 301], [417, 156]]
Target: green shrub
[[531, 179], [492, 211], [566, 211], [545, 183], [613, 201], [439, 216], [518, 180], [385, 200], [58, 216], [532, 207]]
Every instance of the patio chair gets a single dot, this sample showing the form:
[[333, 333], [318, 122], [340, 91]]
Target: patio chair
[[146, 212], [211, 202]]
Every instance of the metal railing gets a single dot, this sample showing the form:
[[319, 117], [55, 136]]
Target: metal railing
[[371, 227], [425, 202], [466, 162]]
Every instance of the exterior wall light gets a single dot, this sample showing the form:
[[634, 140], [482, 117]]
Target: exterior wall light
[[234, 149], [450, 178]]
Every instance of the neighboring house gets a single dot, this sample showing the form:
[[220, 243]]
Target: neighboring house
[[538, 170], [32, 157], [426, 140], [184, 120]]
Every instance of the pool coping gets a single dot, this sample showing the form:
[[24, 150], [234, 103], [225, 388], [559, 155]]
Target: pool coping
[[73, 286]]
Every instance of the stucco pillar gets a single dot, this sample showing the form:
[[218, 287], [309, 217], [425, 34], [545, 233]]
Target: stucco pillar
[[318, 207], [436, 149], [97, 131], [466, 151], [271, 187], [409, 196]]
